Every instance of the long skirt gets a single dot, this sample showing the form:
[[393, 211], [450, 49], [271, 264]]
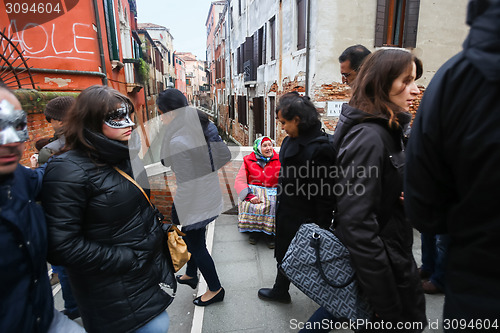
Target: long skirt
[[258, 217]]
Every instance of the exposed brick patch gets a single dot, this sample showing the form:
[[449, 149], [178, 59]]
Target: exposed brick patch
[[330, 92], [33, 103], [163, 199]]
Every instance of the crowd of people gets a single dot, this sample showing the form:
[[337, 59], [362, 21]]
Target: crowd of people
[[84, 205]]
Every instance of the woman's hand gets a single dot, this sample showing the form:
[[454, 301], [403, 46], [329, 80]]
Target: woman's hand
[[34, 161], [255, 200]]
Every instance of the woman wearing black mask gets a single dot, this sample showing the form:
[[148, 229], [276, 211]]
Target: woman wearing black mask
[[101, 226]]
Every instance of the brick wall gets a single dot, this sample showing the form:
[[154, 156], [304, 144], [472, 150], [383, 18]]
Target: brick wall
[[163, 178], [34, 102]]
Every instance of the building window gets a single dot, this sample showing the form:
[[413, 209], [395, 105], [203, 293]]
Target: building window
[[249, 68], [272, 37], [301, 24], [242, 110], [109, 12], [231, 107], [272, 116], [238, 60], [258, 116], [261, 49], [396, 23]]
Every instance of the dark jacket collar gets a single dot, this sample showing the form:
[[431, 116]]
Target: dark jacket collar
[[108, 151], [294, 145], [351, 116]]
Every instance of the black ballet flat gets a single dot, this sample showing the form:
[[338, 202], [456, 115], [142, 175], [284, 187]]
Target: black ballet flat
[[219, 297], [192, 282]]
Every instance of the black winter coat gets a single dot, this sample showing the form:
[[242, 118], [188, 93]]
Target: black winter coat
[[453, 173], [103, 230], [304, 188], [370, 218]]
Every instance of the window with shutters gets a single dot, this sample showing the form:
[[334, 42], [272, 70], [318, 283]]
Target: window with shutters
[[249, 69], [242, 110], [258, 116], [272, 117], [231, 107], [109, 12], [301, 24], [396, 23], [272, 37], [261, 47]]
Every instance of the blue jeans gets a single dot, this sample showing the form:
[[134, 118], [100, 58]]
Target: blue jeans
[[316, 323], [200, 258], [67, 293], [434, 254], [159, 324], [60, 323]]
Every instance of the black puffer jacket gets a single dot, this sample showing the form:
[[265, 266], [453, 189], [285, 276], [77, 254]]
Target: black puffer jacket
[[103, 230], [304, 188], [370, 218]]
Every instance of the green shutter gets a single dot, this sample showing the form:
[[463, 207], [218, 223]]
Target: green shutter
[[109, 16]]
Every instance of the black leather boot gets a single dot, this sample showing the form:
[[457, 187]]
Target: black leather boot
[[271, 294]]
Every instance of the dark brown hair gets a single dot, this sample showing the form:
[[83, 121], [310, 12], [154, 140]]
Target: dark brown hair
[[292, 104], [375, 78], [89, 112]]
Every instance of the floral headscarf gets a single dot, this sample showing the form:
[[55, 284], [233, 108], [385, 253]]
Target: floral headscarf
[[257, 148]]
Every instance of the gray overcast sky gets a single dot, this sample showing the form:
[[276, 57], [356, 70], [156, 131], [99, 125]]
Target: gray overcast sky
[[185, 19]]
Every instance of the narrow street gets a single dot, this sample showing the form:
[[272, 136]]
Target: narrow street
[[243, 269]]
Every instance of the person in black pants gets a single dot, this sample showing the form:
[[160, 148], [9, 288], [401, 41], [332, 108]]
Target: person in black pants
[[192, 147], [304, 192]]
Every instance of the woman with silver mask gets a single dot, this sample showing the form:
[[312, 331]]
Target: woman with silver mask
[[101, 226]]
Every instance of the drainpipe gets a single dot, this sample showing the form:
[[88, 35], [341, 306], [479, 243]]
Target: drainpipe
[[99, 41], [280, 50], [308, 35], [228, 28]]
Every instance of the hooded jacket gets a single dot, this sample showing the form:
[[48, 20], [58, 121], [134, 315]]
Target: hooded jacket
[[104, 232], [26, 304], [370, 219], [452, 176]]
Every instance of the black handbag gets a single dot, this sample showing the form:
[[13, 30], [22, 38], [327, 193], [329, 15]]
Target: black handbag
[[318, 264]]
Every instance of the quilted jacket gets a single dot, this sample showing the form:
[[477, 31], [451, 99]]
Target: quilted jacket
[[103, 230]]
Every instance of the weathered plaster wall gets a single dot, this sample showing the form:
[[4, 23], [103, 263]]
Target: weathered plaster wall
[[441, 32]]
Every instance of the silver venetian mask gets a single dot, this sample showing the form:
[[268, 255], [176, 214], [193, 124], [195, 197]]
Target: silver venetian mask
[[119, 118], [13, 124]]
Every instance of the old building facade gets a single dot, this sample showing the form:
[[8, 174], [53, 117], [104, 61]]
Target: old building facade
[[69, 46], [277, 46]]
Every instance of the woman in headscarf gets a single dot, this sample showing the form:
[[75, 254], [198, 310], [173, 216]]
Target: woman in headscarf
[[256, 184]]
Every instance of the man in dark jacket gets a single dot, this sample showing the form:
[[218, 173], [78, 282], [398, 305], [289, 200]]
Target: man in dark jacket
[[452, 169], [26, 304]]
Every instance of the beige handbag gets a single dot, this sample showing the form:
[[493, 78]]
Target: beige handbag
[[178, 248]]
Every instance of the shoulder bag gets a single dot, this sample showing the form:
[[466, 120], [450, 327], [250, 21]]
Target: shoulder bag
[[319, 265], [176, 245]]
